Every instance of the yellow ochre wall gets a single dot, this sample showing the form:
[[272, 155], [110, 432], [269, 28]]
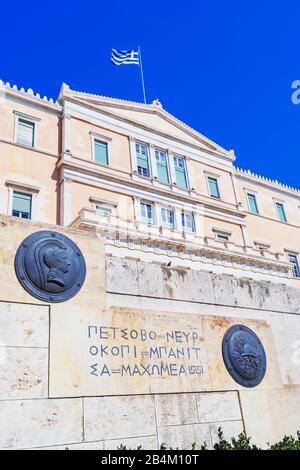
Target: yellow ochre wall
[[40, 168], [33, 167]]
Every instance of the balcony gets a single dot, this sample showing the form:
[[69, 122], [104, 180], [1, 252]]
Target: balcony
[[141, 236]]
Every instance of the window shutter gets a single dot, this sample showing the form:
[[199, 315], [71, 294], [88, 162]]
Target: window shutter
[[25, 134], [142, 161], [101, 154], [179, 164], [180, 177], [281, 212], [214, 187], [253, 204], [162, 172], [22, 202]]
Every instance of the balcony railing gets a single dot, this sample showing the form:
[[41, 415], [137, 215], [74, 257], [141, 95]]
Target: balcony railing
[[113, 227]]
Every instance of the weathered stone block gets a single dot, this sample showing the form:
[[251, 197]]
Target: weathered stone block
[[122, 276], [269, 415], [279, 297], [176, 409], [243, 294], [150, 280], [261, 295], [118, 417], [287, 343], [293, 296], [218, 406], [24, 373], [223, 290], [184, 436], [175, 283], [39, 423], [199, 287], [24, 325]]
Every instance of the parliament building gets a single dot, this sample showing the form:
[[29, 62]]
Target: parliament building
[[149, 288], [152, 186]]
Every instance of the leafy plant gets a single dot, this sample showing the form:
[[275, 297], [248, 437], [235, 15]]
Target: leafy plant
[[287, 443], [241, 443]]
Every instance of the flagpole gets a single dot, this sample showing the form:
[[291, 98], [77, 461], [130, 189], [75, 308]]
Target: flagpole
[[142, 74]]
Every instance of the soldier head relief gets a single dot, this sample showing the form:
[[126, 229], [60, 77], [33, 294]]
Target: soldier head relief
[[56, 259]]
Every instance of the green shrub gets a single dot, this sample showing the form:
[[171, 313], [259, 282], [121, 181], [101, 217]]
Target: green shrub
[[287, 443], [241, 443]]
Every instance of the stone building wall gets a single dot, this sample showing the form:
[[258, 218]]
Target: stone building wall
[[51, 396]]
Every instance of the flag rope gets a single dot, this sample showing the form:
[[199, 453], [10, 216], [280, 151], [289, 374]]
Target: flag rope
[[142, 74]]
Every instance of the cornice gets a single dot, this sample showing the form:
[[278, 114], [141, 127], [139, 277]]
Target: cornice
[[29, 96], [154, 108], [130, 184], [264, 181]]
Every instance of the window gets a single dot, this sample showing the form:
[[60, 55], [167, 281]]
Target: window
[[167, 217], [101, 152], [180, 171], [25, 132], [187, 220], [162, 166], [103, 210], [142, 160], [222, 237], [281, 211], [147, 212], [293, 259], [213, 187], [252, 203], [262, 247], [21, 205]]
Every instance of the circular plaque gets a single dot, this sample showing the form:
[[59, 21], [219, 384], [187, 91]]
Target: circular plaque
[[50, 266], [244, 356]]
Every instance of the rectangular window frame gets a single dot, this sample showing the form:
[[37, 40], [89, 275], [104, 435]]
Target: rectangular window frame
[[185, 172], [103, 210], [252, 194], [145, 219], [140, 173], [282, 205], [17, 191], [213, 176], [156, 149], [166, 224], [193, 224], [30, 119], [295, 266], [109, 206], [222, 237], [215, 179], [105, 140], [25, 188], [221, 234]]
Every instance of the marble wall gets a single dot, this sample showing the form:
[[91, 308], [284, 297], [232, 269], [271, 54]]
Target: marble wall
[[50, 397]]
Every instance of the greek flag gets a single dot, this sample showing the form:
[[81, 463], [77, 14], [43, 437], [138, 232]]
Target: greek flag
[[119, 57]]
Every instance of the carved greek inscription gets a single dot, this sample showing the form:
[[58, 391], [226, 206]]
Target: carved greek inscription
[[143, 352]]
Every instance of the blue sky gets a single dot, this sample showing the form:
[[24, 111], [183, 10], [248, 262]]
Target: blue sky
[[224, 68]]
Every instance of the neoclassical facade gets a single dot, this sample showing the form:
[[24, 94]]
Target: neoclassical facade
[[151, 186]]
